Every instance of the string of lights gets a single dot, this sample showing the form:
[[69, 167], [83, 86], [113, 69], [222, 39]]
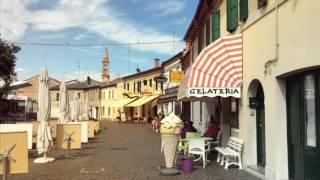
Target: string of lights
[[98, 44]]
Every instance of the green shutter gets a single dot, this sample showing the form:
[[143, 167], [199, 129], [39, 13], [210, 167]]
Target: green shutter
[[232, 13], [215, 25], [208, 32], [243, 10], [200, 41]]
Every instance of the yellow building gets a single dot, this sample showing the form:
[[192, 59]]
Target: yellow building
[[112, 99], [143, 86]]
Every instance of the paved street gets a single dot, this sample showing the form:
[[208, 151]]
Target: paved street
[[120, 151]]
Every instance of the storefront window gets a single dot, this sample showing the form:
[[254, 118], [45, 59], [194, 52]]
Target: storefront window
[[234, 113], [309, 96]]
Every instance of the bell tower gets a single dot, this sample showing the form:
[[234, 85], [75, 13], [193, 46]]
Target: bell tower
[[105, 66]]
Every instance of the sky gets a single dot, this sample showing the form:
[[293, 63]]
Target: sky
[[65, 28]]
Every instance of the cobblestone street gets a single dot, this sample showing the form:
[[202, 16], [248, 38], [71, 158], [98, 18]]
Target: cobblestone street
[[120, 151]]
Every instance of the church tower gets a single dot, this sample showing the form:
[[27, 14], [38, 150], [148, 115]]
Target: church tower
[[105, 66]]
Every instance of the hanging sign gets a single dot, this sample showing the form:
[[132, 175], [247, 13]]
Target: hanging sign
[[176, 76]]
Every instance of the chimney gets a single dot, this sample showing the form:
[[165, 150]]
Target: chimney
[[88, 80], [157, 62]]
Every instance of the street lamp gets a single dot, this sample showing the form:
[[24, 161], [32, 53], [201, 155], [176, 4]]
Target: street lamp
[[161, 79]]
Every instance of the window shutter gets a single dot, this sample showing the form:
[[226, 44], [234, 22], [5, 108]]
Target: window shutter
[[243, 10], [232, 13], [200, 41], [215, 25], [208, 32]]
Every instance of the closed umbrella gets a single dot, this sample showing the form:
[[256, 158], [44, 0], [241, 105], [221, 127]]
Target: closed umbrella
[[64, 103], [86, 109], [44, 138], [76, 108]]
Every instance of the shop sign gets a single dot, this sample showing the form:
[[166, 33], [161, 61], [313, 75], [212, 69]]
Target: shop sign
[[213, 92], [176, 76]]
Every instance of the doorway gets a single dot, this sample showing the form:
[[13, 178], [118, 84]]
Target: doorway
[[303, 116], [260, 122]]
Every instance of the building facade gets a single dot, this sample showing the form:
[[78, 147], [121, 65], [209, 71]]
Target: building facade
[[111, 94], [142, 85], [172, 69], [276, 115]]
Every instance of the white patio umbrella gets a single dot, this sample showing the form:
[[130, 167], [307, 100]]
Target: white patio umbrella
[[64, 103], [44, 138], [85, 106], [76, 108]]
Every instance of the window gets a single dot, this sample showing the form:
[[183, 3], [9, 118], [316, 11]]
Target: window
[[200, 41], [243, 10], [124, 86], [150, 82], [109, 94], [112, 94], [102, 95], [145, 82], [128, 87], [134, 87], [156, 86], [109, 111], [262, 3], [79, 95], [234, 123], [208, 32], [215, 25], [102, 110], [57, 96], [139, 86], [232, 15]]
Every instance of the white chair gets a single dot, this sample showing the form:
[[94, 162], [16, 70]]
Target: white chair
[[198, 147], [212, 144]]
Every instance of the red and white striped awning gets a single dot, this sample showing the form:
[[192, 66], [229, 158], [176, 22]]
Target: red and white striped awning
[[217, 71]]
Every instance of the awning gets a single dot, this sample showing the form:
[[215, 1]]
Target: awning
[[121, 102], [142, 100], [217, 71]]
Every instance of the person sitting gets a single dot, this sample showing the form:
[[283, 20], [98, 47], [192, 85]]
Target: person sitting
[[213, 128], [188, 127]]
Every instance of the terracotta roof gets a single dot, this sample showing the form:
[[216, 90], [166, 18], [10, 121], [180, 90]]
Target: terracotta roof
[[36, 76], [142, 72], [110, 83], [80, 86], [173, 58]]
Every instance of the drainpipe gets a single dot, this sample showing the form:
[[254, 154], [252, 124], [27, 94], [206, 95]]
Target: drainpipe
[[277, 31]]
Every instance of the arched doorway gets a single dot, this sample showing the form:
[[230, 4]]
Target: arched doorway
[[256, 96], [260, 118]]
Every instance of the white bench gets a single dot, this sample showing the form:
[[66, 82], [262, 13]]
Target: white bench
[[230, 155]]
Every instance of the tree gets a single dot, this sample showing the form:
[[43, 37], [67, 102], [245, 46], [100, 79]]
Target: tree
[[7, 64]]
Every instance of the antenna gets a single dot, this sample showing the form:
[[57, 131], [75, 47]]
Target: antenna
[[128, 58], [173, 45], [79, 69]]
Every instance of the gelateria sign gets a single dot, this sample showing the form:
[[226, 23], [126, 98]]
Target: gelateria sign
[[213, 92]]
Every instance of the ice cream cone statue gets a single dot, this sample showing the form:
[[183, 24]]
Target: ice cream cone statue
[[170, 129]]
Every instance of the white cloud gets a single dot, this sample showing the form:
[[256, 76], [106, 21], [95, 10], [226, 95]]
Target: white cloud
[[86, 51], [164, 7], [96, 16], [17, 70], [182, 21]]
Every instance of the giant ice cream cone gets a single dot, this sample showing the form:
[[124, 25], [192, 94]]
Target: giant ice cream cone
[[170, 134], [170, 143]]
